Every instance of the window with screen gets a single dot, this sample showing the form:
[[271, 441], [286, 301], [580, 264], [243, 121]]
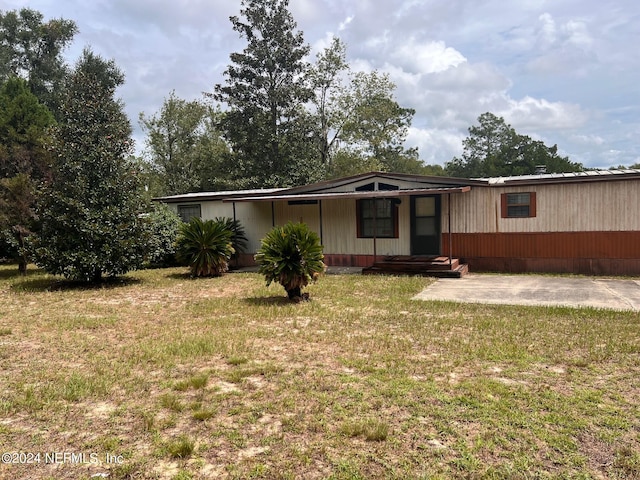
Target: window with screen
[[381, 222], [519, 205], [187, 212]]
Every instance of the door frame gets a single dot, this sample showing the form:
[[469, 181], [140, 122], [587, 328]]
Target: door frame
[[437, 242]]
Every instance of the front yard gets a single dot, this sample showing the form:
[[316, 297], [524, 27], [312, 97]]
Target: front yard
[[161, 376]]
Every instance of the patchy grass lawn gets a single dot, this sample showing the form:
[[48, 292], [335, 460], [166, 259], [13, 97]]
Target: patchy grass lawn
[[160, 376]]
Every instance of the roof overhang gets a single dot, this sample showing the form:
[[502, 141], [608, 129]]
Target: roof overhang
[[356, 195]]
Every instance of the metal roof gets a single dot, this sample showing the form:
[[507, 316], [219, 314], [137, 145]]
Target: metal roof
[[444, 185], [199, 196], [357, 195], [588, 175]]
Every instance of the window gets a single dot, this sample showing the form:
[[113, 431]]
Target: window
[[369, 187], [187, 212], [387, 186], [518, 205], [385, 218]]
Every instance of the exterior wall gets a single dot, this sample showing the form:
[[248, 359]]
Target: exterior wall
[[581, 227], [586, 228], [339, 230], [573, 207], [340, 235], [254, 217]]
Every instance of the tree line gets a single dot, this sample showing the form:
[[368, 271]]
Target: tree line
[[70, 180]]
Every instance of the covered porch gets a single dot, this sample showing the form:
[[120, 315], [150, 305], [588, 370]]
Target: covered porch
[[352, 238]]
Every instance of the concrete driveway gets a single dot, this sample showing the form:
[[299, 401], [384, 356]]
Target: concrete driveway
[[537, 290]]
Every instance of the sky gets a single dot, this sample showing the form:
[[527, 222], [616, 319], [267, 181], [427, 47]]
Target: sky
[[566, 72]]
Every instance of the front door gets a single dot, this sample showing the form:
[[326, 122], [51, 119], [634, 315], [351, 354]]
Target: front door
[[425, 225]]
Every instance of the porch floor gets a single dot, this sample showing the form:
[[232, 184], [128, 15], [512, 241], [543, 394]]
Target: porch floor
[[430, 266]]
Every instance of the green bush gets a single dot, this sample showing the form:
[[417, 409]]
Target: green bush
[[238, 238], [205, 246], [163, 226], [292, 256]]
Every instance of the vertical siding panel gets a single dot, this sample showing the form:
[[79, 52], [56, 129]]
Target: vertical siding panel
[[569, 207], [256, 220]]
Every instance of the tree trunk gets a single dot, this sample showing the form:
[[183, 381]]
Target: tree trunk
[[294, 293], [97, 276]]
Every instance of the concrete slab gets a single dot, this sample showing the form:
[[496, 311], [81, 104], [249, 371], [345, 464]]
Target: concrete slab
[[537, 290]]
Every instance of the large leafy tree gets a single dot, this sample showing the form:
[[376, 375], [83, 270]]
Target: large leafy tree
[[327, 80], [373, 128], [24, 124], [265, 92], [184, 145], [90, 213], [359, 124], [24, 162], [31, 48], [494, 148]]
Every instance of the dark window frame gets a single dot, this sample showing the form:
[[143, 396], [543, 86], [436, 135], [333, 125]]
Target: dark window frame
[[362, 221], [189, 206], [512, 208]]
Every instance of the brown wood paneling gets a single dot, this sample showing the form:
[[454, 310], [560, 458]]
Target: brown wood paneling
[[345, 260], [622, 245], [592, 253]]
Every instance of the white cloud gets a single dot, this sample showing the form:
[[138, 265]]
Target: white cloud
[[577, 33], [436, 146], [532, 113], [547, 30], [345, 23], [427, 56], [588, 139]]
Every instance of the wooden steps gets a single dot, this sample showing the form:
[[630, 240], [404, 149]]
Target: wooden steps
[[418, 265]]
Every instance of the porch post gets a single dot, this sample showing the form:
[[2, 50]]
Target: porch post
[[273, 214], [320, 214], [449, 228], [375, 229]]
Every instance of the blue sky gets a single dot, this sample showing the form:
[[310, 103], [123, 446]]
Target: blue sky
[[566, 72]]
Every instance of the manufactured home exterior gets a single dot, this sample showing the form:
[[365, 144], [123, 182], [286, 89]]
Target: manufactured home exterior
[[584, 223]]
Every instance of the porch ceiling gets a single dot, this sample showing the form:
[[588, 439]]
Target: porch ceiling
[[356, 195]]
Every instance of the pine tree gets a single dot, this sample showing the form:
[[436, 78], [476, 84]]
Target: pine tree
[[266, 91], [24, 162], [90, 213]]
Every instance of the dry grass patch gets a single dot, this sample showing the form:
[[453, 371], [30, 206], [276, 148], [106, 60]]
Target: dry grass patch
[[224, 378]]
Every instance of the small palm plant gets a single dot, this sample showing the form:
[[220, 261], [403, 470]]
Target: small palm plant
[[205, 246], [292, 256], [239, 239]]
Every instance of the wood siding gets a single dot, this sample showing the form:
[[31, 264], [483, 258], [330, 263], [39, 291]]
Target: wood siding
[[591, 253], [340, 234], [546, 245], [572, 207]]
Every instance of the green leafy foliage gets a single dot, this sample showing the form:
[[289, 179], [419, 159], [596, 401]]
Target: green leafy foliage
[[493, 148], [24, 124], [90, 213], [163, 225], [184, 146], [32, 49], [205, 246], [266, 92], [292, 256], [24, 162], [239, 238]]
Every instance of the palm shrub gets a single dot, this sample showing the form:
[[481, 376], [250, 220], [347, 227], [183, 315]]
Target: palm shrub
[[238, 238], [205, 246], [292, 256]]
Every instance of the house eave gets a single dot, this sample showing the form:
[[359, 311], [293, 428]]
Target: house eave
[[351, 195]]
